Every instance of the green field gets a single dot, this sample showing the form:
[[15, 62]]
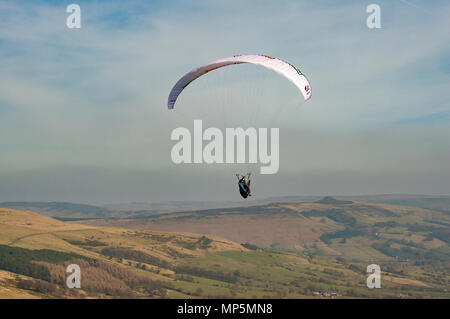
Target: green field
[[410, 245]]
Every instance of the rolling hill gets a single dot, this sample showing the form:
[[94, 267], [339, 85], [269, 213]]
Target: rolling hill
[[61, 209], [352, 230], [74, 212], [118, 262]]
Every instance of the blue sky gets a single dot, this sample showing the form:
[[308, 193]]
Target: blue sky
[[83, 117]]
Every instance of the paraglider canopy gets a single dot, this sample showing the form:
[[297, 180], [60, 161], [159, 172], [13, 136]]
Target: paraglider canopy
[[281, 67]]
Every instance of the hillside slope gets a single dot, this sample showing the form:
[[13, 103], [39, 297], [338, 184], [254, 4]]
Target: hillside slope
[[38, 246], [354, 230], [124, 263], [61, 209]]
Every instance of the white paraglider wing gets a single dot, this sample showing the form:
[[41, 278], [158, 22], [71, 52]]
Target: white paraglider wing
[[285, 69]]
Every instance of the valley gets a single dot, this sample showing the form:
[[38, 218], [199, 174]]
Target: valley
[[280, 250]]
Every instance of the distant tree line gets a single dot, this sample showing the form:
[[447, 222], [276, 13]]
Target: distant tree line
[[250, 246], [202, 243], [21, 261], [211, 274], [139, 256], [87, 243], [346, 233]]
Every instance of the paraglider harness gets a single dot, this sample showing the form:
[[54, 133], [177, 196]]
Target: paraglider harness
[[244, 186]]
